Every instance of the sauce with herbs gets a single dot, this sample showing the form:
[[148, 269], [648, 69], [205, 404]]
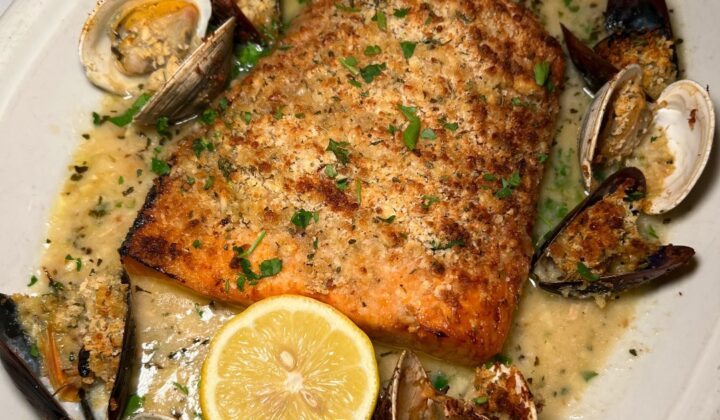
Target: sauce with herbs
[[558, 344]]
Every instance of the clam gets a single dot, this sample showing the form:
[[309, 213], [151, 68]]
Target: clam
[[640, 33], [669, 140], [598, 250], [499, 391], [159, 47]]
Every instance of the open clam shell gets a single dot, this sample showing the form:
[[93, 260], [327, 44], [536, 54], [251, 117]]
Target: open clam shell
[[683, 119], [196, 82], [117, 70], [664, 258]]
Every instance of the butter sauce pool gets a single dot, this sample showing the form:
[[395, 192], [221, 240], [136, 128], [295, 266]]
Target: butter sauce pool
[[559, 344]]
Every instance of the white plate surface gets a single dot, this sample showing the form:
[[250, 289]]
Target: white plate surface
[[45, 103]]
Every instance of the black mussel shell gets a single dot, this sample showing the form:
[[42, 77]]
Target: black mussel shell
[[663, 261], [595, 70], [627, 16], [245, 31], [120, 393], [21, 366]]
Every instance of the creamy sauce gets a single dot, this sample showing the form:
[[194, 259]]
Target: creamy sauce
[[557, 343]]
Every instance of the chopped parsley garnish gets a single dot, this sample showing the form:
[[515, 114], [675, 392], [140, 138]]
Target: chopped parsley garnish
[[371, 50], [200, 145], [271, 267], [358, 191], [401, 13], [392, 129], [588, 374], [78, 262], [519, 102], [57, 286], [634, 196], [585, 272], [340, 150], [345, 8], [542, 72], [480, 400], [247, 117], [439, 381], [429, 200], [100, 210], [223, 104], [33, 280], [247, 57], [34, 351], [162, 126], [198, 311], [408, 49], [381, 20], [342, 184], [278, 114], [209, 182], [121, 180], [180, 387], [126, 117], [653, 139], [388, 219], [542, 157], [371, 71], [197, 244], [135, 403], [242, 253], [572, 7], [302, 218], [268, 268], [498, 358], [508, 185], [160, 167], [428, 134], [439, 246], [451, 126], [350, 63], [97, 119], [489, 177], [412, 131], [355, 83], [330, 171], [651, 232]]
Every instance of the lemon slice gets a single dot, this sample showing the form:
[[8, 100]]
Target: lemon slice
[[289, 357]]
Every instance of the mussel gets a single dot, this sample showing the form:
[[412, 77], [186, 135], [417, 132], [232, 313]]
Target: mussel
[[598, 250], [33, 362], [499, 390], [159, 47], [640, 33], [669, 140]]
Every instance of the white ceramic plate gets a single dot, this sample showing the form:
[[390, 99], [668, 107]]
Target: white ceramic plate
[[45, 103]]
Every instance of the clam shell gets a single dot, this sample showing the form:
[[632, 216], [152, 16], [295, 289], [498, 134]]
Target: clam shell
[[95, 44], [198, 80]]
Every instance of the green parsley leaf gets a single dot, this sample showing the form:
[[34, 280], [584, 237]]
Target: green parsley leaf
[[381, 20], [135, 403], [271, 267], [97, 119], [634, 196], [350, 63], [371, 50], [209, 182], [33, 280], [429, 200], [247, 56], [302, 218], [180, 387], [197, 244], [223, 104], [126, 117], [198, 311], [392, 129], [160, 167], [439, 381], [542, 157], [371, 71], [542, 72], [412, 131], [34, 351], [651, 232], [342, 184], [408, 49], [514, 180], [208, 116], [436, 246], [242, 253], [588, 374], [345, 8], [355, 83], [585, 272], [448, 125], [519, 102], [653, 139], [340, 150], [162, 126], [330, 171], [247, 117], [480, 400], [200, 145], [503, 192], [489, 177], [358, 191], [278, 114], [401, 13], [121, 180], [428, 134]]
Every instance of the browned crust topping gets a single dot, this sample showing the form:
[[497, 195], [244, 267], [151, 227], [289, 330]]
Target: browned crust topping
[[445, 274]]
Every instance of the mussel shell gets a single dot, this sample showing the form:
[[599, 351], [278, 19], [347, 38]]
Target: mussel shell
[[120, 393], [595, 70], [637, 16], [23, 369], [665, 260], [245, 31], [196, 82]]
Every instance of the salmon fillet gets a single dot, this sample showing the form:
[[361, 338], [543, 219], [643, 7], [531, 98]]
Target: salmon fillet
[[426, 248]]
